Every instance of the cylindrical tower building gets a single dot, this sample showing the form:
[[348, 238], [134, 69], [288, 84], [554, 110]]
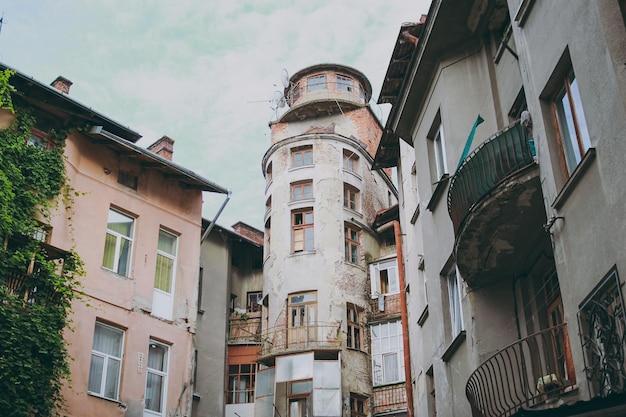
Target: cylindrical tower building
[[321, 198]]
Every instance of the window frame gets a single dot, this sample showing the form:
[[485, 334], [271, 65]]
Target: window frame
[[355, 401], [161, 373], [375, 277], [350, 161], [302, 156], [571, 126], [252, 306], [354, 326], [236, 396], [455, 301], [439, 153], [382, 350], [352, 243], [299, 190], [351, 197], [308, 245], [316, 82], [105, 364], [118, 243], [343, 83], [172, 257]]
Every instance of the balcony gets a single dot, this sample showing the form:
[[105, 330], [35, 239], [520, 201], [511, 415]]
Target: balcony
[[244, 328], [496, 207], [532, 373], [313, 336], [389, 399]]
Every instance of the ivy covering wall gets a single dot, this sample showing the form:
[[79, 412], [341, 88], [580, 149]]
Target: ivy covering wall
[[37, 286]]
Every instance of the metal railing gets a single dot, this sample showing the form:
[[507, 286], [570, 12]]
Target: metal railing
[[496, 159], [389, 398], [317, 335], [526, 373]]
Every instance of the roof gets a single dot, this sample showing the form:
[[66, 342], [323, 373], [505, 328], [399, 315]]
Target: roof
[[104, 130]]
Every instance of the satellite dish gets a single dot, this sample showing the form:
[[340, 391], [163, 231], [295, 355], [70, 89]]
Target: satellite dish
[[278, 99], [284, 78]]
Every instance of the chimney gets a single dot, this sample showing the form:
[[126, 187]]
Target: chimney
[[248, 231], [163, 147], [62, 84]]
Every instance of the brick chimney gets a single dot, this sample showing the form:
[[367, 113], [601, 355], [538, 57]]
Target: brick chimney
[[248, 231], [62, 84], [163, 147]]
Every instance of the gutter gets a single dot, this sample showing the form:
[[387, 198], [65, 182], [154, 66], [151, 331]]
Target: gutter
[[214, 221]]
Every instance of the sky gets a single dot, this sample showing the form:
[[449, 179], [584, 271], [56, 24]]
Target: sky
[[202, 72]]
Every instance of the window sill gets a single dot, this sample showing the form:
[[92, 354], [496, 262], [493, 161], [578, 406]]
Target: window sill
[[416, 214], [196, 396], [389, 384], [361, 267], [301, 167], [422, 319], [303, 201], [456, 343], [575, 178], [354, 212], [93, 394], [438, 192], [303, 253], [352, 173]]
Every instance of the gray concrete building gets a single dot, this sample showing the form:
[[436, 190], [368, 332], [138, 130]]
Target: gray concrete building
[[507, 128]]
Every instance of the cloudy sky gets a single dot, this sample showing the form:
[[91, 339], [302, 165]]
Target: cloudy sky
[[200, 71]]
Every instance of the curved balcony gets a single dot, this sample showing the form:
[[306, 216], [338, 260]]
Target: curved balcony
[[529, 373], [313, 336], [496, 207]]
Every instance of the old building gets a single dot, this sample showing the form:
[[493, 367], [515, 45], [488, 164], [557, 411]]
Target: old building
[[506, 127], [136, 224], [329, 333], [229, 320]]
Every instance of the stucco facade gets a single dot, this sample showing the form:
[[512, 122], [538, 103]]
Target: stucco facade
[[511, 237], [135, 222]]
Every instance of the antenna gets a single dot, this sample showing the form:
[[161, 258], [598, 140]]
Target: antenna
[[284, 78]]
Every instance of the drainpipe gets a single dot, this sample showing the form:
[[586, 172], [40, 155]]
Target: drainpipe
[[212, 224], [405, 320]]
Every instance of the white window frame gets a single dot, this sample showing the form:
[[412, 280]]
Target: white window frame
[[384, 346], [162, 300], [453, 279], [161, 373], [118, 243], [439, 146], [105, 365], [344, 83], [393, 284]]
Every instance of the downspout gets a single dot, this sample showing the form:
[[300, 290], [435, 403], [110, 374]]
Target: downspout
[[214, 221], [405, 320]]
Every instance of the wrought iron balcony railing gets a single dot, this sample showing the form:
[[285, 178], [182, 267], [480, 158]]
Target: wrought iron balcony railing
[[496, 159], [526, 373], [316, 335]]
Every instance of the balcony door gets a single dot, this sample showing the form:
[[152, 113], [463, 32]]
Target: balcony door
[[302, 319]]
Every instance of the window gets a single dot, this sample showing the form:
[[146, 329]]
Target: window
[[106, 361], [301, 190], [166, 261], [38, 141], [387, 353], [317, 82], [351, 238], [200, 283], [156, 378], [268, 173], [350, 197], [344, 83], [572, 126], [128, 179], [350, 161], [302, 156], [358, 405], [118, 242], [453, 279], [302, 230], [241, 383], [438, 154], [355, 316], [302, 327], [384, 276], [255, 299], [295, 93]]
